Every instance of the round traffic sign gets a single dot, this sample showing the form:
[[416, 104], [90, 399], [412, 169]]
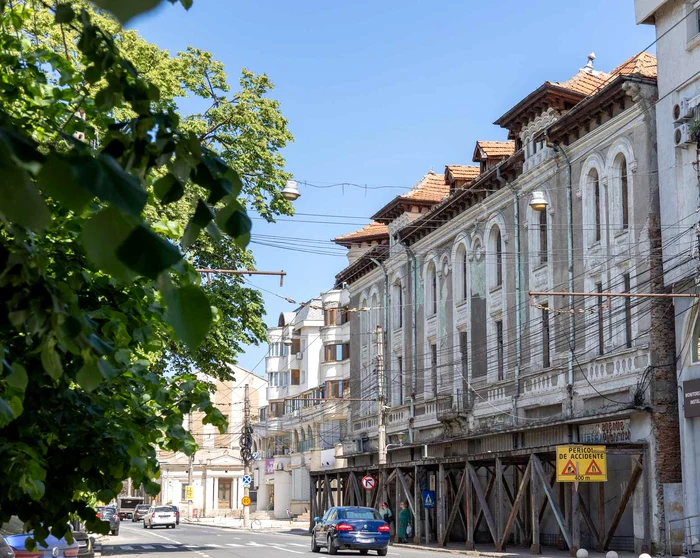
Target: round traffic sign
[[247, 480], [245, 501], [369, 482]]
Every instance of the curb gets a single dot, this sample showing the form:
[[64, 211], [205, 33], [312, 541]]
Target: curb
[[452, 550]]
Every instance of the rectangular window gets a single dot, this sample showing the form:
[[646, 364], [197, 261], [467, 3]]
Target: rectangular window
[[543, 237], [399, 378], [296, 345], [499, 347], [336, 353], [296, 377], [464, 356], [276, 409], [433, 288], [330, 317], [334, 389], [545, 336], [499, 260], [399, 306], [628, 312], [624, 195], [433, 367], [596, 188], [601, 320], [225, 491], [465, 263], [183, 487]]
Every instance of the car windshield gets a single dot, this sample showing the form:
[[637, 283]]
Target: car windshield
[[142, 507], [359, 514], [164, 509]]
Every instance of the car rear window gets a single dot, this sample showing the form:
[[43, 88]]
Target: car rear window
[[162, 509], [142, 507], [358, 514]]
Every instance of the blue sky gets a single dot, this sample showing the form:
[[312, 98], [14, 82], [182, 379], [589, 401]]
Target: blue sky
[[379, 92]]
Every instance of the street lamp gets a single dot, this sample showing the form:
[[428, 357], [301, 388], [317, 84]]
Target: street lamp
[[538, 201], [291, 191]]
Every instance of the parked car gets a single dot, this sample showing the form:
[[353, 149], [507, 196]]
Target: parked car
[[160, 516], [177, 514], [57, 548], [127, 506], [350, 528], [6, 550], [109, 513], [140, 512]]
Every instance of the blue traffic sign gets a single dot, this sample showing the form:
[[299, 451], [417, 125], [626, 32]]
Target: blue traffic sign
[[247, 480], [256, 456], [428, 499]]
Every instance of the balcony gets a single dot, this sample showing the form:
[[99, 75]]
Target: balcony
[[454, 406], [277, 392], [335, 370], [331, 335]]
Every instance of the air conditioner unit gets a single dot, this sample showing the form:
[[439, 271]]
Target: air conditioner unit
[[682, 136], [684, 109], [300, 356]]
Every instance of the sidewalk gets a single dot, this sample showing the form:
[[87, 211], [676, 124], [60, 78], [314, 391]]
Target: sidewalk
[[256, 525], [515, 552]]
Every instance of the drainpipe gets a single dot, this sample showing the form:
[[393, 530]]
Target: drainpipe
[[386, 316], [570, 262], [518, 290], [414, 354]]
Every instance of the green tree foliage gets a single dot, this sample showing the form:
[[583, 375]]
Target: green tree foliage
[[109, 200]]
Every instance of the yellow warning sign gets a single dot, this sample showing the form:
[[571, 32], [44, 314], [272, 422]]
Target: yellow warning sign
[[581, 464], [245, 501], [189, 492]]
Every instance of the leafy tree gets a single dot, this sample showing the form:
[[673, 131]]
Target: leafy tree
[[105, 194]]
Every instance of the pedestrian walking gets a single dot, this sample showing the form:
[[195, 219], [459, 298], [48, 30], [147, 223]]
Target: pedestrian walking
[[387, 515], [405, 523]]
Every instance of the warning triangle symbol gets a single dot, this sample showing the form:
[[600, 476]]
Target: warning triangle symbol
[[594, 469], [569, 469], [428, 500]]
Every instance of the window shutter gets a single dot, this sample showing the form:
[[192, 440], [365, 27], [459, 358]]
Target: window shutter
[[296, 346], [346, 351]]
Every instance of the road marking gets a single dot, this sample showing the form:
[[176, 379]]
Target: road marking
[[253, 543], [285, 549], [214, 545], [169, 546], [233, 544], [192, 546], [297, 544], [148, 547], [164, 537], [127, 547]]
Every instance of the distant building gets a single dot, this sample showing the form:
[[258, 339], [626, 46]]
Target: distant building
[[677, 115], [308, 370], [217, 469]]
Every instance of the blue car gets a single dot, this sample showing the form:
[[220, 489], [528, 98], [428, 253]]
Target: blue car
[[55, 548], [350, 528]]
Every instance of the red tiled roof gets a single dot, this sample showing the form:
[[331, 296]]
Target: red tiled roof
[[372, 230], [584, 81], [463, 172], [642, 64], [495, 149], [432, 187]]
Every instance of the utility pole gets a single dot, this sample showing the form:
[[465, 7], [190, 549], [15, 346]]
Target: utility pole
[[381, 429], [246, 456], [189, 470]]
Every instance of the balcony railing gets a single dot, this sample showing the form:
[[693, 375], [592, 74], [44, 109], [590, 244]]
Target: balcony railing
[[453, 405]]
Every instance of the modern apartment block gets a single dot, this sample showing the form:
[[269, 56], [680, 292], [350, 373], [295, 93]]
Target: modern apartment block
[[308, 370]]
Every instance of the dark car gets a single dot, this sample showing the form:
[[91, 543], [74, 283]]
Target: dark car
[[350, 528], [58, 548], [177, 514], [108, 513], [140, 512]]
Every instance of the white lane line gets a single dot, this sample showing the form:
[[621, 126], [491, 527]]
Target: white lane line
[[214, 545], [234, 544], [297, 544], [253, 543], [163, 537], [148, 547], [192, 546], [285, 549]]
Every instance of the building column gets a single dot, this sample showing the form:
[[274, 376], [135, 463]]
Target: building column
[[216, 493]]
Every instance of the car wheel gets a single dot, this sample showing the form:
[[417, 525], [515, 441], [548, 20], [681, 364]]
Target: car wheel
[[144, 524], [314, 546], [331, 549], [382, 552]]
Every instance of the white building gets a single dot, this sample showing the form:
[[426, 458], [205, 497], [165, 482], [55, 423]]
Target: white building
[[677, 118], [308, 368], [217, 469]]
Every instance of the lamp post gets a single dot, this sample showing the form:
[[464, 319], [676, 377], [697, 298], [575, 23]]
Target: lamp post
[[291, 190]]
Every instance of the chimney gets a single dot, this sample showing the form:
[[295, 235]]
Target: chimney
[[589, 64]]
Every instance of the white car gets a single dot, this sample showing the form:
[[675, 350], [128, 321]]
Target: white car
[[160, 515]]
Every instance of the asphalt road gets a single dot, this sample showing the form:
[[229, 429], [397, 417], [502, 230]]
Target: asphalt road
[[194, 541]]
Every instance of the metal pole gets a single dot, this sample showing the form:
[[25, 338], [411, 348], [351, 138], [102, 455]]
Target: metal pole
[[189, 470], [381, 429], [246, 463]]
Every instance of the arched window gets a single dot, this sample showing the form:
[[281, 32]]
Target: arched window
[[374, 314], [497, 257], [364, 320], [543, 244], [623, 210], [431, 290], [461, 273], [594, 189], [397, 297], [695, 348]]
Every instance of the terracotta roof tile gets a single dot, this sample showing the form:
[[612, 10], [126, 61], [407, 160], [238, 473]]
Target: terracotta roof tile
[[432, 187], [642, 64], [463, 172], [496, 148], [371, 230], [585, 81]]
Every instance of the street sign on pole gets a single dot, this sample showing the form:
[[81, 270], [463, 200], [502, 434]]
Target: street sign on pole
[[247, 480], [189, 492], [428, 499], [369, 482], [581, 464], [245, 501], [256, 456]]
